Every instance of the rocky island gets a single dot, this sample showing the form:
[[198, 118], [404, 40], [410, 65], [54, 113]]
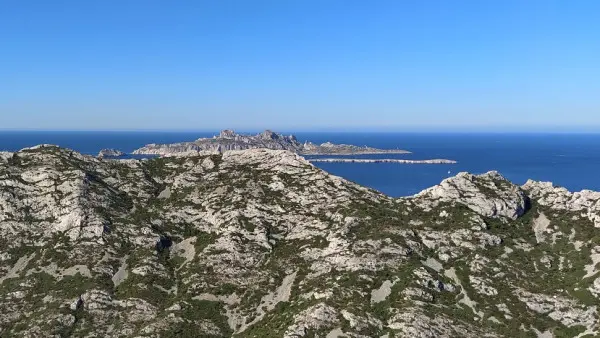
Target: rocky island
[[261, 243], [229, 140], [110, 153]]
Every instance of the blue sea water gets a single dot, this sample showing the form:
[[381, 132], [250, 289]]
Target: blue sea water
[[569, 160]]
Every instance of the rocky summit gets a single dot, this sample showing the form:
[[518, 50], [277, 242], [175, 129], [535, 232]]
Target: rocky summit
[[229, 140], [260, 243]]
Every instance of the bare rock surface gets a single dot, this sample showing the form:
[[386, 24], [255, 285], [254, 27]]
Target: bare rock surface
[[489, 195]]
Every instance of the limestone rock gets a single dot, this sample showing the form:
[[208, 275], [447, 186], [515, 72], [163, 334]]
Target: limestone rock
[[489, 195]]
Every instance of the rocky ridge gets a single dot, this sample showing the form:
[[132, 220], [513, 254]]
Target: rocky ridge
[[229, 140], [260, 243]]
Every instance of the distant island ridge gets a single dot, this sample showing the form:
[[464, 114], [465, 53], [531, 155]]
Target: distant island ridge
[[230, 140], [110, 153]]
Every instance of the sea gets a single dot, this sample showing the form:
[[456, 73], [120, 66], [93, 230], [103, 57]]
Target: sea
[[568, 160]]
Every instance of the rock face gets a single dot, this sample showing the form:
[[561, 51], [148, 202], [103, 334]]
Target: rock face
[[489, 195], [229, 140], [260, 243], [110, 153], [558, 198]]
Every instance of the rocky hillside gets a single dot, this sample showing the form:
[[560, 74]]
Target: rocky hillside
[[229, 140], [260, 243]]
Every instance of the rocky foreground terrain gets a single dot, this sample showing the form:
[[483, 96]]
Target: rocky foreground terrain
[[229, 140], [260, 243]]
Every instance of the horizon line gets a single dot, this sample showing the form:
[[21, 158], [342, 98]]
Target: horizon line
[[553, 130]]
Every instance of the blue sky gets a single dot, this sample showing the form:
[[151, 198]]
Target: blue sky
[[300, 65]]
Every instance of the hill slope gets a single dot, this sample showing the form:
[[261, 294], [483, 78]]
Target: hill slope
[[260, 243]]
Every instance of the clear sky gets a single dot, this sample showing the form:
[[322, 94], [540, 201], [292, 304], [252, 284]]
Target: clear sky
[[300, 64]]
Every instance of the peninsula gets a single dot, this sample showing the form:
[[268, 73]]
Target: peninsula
[[229, 140]]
